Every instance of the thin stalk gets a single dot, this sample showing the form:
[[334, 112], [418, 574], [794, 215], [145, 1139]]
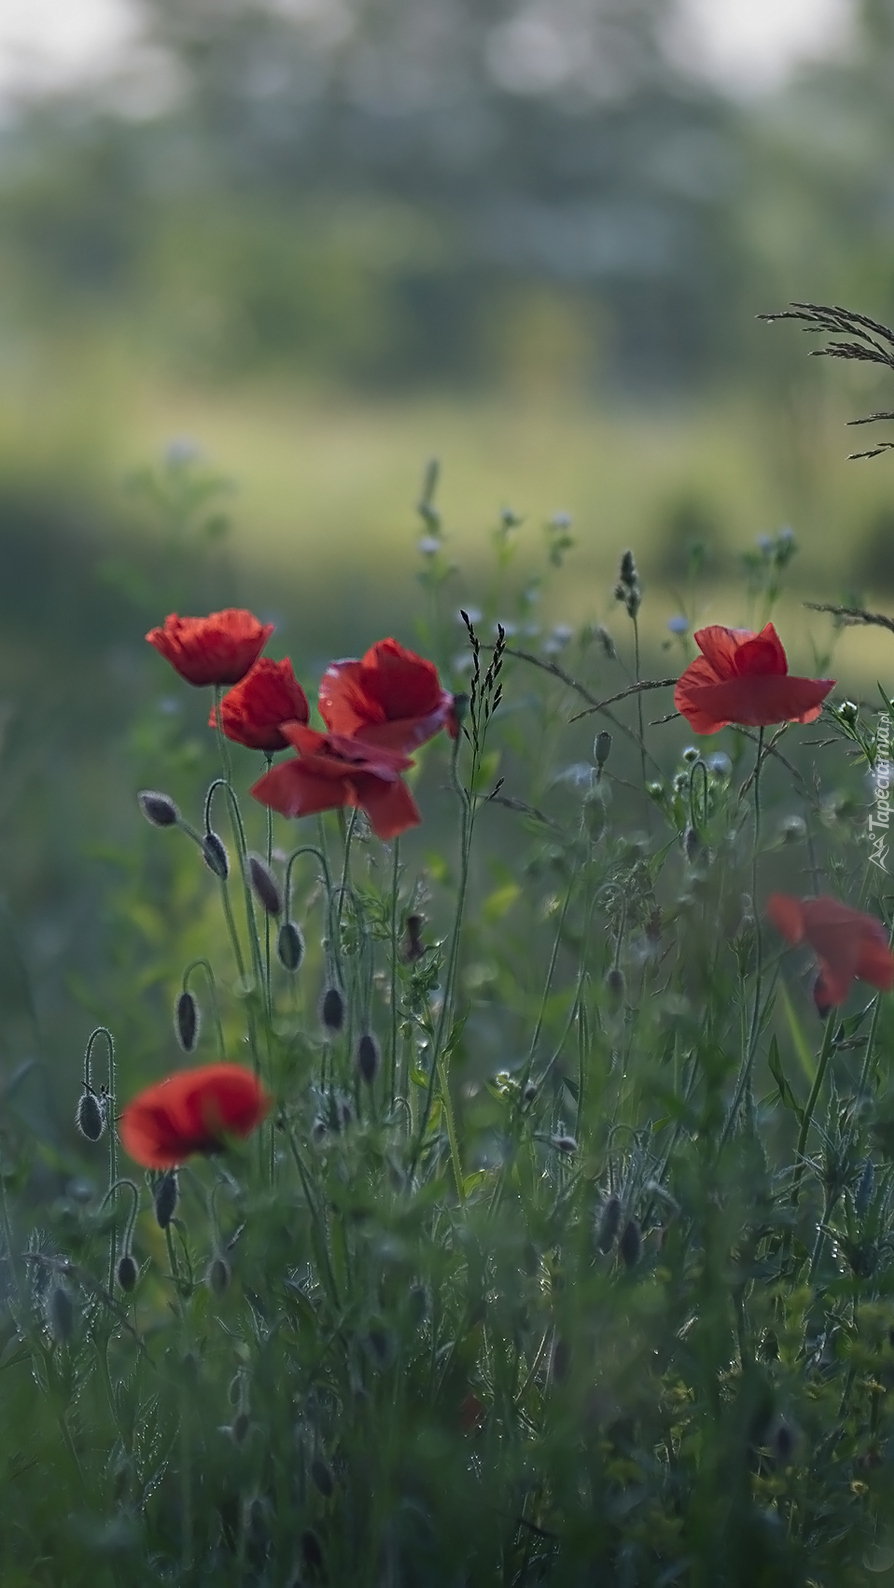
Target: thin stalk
[[810, 1109], [395, 884], [195, 964], [639, 699], [743, 1085]]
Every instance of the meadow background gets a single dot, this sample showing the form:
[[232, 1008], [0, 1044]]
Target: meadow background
[[322, 242]]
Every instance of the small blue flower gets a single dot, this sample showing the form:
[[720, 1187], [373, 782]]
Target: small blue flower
[[679, 625], [720, 763]]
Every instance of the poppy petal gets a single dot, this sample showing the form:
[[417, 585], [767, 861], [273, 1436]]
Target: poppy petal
[[390, 807], [787, 916]]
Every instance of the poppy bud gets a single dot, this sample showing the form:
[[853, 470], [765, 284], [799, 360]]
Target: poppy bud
[[413, 947], [379, 1346], [127, 1272], [186, 1021], [239, 1427], [564, 1144], [332, 1010], [215, 855], [166, 1197], [289, 946], [322, 1477], [631, 1244], [602, 745], [60, 1314], [615, 983], [318, 1131], [691, 844], [530, 1092], [368, 1058], [89, 1117], [219, 1275], [264, 886], [460, 708], [159, 809], [609, 1224], [783, 1442], [311, 1551]]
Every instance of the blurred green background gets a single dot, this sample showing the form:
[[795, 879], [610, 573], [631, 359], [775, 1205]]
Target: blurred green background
[[323, 240]]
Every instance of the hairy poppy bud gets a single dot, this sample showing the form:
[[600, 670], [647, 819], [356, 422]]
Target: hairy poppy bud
[[460, 708], [530, 1092], [609, 1224], [783, 1442], [631, 1244], [289, 946], [186, 1021], [322, 1477], [89, 1117], [332, 1010], [311, 1551], [166, 1197], [264, 886], [219, 1275], [127, 1272], [413, 947], [368, 1058], [691, 844], [215, 855], [564, 1144], [615, 983], [602, 745], [159, 809], [60, 1314]]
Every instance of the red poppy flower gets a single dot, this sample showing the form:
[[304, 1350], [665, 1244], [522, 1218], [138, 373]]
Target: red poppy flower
[[332, 770], [218, 649], [268, 695], [743, 678], [192, 1111], [392, 697], [848, 944]]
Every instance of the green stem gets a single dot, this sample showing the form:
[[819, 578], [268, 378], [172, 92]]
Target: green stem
[[395, 884], [743, 1085], [810, 1109]]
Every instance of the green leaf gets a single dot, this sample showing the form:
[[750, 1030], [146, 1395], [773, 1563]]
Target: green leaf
[[786, 1094], [802, 1047]]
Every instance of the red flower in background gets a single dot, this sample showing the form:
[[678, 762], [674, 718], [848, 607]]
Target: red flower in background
[[218, 649], [743, 678], [848, 944], [268, 695], [392, 698], [192, 1111], [332, 770]]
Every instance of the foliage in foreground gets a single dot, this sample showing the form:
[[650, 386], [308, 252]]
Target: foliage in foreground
[[563, 1255]]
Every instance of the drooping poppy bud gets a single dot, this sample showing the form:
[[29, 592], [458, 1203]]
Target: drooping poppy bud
[[289, 946], [215, 856], [186, 1021], [368, 1058], [332, 1010], [127, 1272], [264, 886], [631, 1244], [219, 1275], [89, 1117], [166, 1197], [609, 1224]]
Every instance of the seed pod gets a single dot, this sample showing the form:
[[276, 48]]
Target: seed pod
[[631, 1244], [166, 1197], [89, 1117], [186, 1021], [602, 745], [609, 1224], [289, 946], [219, 1275], [332, 1010], [322, 1476], [215, 855], [264, 886], [60, 1314], [368, 1058], [127, 1272], [159, 809]]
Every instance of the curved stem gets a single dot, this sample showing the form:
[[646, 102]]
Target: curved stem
[[212, 987]]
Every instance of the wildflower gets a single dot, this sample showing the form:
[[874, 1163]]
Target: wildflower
[[333, 770], [678, 625], [268, 695], [218, 649], [392, 698], [848, 944], [192, 1111], [743, 678]]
